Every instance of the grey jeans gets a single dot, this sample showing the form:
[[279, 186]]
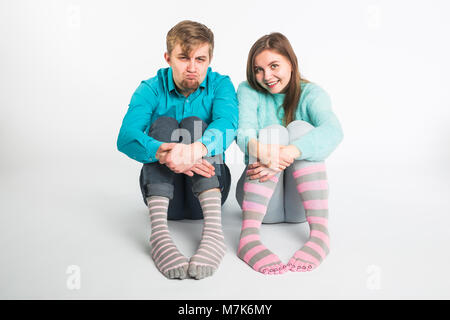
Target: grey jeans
[[285, 204], [158, 180]]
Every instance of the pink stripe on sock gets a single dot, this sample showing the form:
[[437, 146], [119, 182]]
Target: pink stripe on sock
[[160, 262], [253, 206], [247, 239], [158, 207], [162, 252], [168, 263], [158, 200], [319, 220], [206, 199], [316, 248], [322, 236], [305, 256], [316, 204], [266, 260], [156, 253], [252, 252], [258, 189], [274, 179], [308, 170], [313, 185], [248, 223]]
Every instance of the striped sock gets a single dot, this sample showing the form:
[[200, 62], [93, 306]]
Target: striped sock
[[313, 188], [254, 206], [212, 247], [165, 254]]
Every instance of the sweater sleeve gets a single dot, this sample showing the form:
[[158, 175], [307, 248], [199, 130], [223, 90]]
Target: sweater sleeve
[[133, 139], [248, 120], [321, 141]]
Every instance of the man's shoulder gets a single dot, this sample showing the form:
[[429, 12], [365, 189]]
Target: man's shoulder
[[216, 79], [158, 82]]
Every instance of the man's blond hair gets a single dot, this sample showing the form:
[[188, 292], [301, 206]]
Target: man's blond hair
[[189, 35]]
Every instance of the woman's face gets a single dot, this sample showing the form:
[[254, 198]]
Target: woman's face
[[272, 71]]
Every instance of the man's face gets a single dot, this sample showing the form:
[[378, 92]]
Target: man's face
[[189, 70]]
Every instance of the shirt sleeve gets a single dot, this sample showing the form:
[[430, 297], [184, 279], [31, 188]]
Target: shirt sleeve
[[221, 132], [248, 116], [321, 141], [133, 139]]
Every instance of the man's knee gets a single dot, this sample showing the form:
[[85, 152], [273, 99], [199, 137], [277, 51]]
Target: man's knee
[[162, 129], [194, 126]]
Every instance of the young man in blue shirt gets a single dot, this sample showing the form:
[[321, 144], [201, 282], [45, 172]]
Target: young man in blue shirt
[[179, 124]]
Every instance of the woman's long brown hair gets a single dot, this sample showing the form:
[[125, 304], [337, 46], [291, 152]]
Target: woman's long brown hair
[[280, 44]]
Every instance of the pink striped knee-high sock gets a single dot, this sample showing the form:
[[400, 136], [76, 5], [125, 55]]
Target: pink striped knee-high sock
[[165, 254], [256, 199], [312, 185]]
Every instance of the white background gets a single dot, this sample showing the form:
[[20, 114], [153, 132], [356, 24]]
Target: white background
[[68, 197]]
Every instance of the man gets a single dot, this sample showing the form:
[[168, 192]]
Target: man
[[179, 124]]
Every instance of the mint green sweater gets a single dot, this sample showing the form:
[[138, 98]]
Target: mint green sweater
[[258, 110]]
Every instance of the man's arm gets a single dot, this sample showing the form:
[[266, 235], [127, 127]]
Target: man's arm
[[221, 132], [133, 140]]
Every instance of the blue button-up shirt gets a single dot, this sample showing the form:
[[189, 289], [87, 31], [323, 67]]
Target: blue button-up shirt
[[214, 102]]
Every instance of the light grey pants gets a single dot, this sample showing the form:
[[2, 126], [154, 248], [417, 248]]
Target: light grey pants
[[285, 204]]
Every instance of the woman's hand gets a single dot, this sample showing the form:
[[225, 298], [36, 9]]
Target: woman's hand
[[260, 171]]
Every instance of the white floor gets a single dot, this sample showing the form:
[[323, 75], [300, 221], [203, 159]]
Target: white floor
[[389, 238]]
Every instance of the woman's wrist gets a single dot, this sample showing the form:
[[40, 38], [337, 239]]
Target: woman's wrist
[[253, 148], [293, 151]]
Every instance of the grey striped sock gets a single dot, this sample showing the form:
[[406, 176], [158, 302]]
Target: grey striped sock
[[165, 254], [212, 247]]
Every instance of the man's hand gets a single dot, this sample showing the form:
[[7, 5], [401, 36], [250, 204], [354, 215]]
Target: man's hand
[[163, 151], [203, 168], [182, 157]]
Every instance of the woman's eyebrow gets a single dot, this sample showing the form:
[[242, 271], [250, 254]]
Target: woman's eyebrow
[[274, 61]]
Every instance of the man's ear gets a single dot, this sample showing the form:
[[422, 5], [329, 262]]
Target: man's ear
[[167, 57]]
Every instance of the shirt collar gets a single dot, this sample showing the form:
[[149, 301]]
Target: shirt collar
[[171, 84]]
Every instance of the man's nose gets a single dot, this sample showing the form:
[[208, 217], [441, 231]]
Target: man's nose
[[191, 66]]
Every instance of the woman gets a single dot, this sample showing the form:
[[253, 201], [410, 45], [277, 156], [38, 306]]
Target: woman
[[286, 130]]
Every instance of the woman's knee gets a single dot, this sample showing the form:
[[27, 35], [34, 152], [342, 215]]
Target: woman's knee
[[274, 134], [298, 128]]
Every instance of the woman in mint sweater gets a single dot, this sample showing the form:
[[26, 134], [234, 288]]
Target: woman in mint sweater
[[286, 130]]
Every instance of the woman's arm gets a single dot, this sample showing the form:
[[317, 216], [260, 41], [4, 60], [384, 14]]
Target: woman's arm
[[321, 141], [248, 118]]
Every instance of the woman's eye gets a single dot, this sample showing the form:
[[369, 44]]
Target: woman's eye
[[274, 66], [257, 70]]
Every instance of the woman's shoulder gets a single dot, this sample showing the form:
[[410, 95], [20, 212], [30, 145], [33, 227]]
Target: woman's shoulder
[[245, 90], [245, 86], [312, 90]]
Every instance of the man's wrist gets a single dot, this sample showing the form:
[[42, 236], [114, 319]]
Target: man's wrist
[[200, 150]]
